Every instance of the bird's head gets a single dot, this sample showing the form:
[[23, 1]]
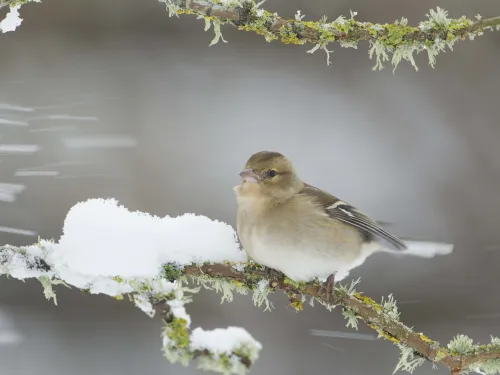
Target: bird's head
[[269, 175]]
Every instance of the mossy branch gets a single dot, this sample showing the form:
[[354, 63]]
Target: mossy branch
[[383, 318], [180, 343], [398, 38], [168, 291]]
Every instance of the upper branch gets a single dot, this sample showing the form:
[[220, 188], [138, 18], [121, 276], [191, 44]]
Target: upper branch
[[400, 39]]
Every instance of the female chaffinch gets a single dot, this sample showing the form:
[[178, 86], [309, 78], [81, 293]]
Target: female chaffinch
[[288, 225]]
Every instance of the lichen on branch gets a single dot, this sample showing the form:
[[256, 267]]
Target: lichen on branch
[[398, 39], [170, 292], [389, 42]]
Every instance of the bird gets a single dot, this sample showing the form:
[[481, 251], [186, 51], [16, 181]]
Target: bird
[[304, 232]]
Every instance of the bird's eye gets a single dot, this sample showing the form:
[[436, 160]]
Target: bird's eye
[[272, 173]]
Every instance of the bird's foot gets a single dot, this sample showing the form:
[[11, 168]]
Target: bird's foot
[[272, 273], [327, 289]]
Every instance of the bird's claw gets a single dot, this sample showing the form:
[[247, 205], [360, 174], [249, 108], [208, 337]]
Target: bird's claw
[[327, 290], [271, 272]]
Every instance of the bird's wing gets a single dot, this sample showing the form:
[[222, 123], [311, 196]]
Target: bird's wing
[[349, 214]]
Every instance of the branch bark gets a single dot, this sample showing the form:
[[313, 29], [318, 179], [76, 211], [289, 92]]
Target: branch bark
[[398, 38], [383, 318], [372, 314], [243, 17]]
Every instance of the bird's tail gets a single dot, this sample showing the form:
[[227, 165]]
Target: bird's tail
[[424, 249]]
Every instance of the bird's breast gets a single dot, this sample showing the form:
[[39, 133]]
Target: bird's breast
[[302, 248]]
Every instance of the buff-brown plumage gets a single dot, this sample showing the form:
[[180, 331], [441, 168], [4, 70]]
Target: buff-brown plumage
[[300, 230]]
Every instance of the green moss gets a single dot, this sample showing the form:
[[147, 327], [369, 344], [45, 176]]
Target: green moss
[[440, 354], [225, 361], [346, 26], [172, 272], [18, 2], [289, 35], [460, 24], [371, 30], [297, 305], [118, 279], [325, 34], [185, 11], [178, 332], [395, 34], [295, 302], [424, 338], [291, 282], [251, 281], [260, 24], [384, 334], [368, 301], [237, 283]]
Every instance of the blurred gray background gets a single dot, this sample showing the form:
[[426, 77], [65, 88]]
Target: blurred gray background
[[128, 103]]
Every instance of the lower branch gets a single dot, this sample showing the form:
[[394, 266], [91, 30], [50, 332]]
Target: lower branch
[[239, 350], [84, 258], [461, 355]]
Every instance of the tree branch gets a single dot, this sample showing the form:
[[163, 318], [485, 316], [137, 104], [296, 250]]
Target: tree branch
[[460, 355], [180, 344], [382, 318], [399, 39]]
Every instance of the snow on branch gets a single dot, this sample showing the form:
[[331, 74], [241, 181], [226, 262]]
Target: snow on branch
[[159, 263]]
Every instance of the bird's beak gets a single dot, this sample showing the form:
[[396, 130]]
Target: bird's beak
[[250, 176]]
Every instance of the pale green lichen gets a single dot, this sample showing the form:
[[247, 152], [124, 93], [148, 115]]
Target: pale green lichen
[[408, 361], [399, 39], [461, 345], [352, 318], [47, 283], [218, 34], [48, 292], [260, 295], [488, 367], [260, 289], [380, 52], [390, 307], [495, 341], [349, 290], [219, 285]]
